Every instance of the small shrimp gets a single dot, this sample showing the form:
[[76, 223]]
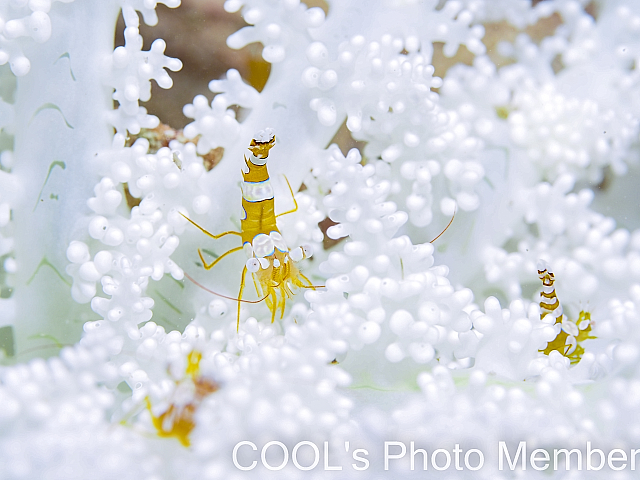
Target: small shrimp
[[179, 419], [571, 334], [272, 264]]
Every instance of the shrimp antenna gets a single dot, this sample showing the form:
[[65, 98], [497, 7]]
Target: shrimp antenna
[[311, 285], [223, 296], [445, 228]]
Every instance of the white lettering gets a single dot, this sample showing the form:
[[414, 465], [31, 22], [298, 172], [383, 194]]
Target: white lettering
[[503, 450], [633, 454], [326, 459], [589, 453], [316, 453], [567, 458], [235, 455], [534, 458], [480, 459], [263, 455], [425, 458], [622, 458], [358, 458], [388, 456], [457, 451], [434, 456]]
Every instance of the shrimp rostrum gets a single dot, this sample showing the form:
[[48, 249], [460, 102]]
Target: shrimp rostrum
[[271, 263]]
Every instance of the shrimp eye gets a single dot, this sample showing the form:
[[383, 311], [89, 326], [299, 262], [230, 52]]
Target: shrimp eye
[[308, 251], [253, 265]]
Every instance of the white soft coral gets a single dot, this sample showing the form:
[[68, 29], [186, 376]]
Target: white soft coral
[[130, 70]]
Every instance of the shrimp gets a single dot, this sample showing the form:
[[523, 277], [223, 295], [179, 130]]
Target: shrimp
[[271, 263], [571, 334], [179, 419]]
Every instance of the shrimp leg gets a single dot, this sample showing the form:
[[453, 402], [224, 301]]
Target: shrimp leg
[[209, 266]]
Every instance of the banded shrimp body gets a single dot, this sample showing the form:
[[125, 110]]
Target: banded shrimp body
[[570, 335], [271, 264]]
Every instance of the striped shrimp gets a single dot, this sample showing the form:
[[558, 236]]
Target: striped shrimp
[[269, 260], [179, 419], [571, 334]]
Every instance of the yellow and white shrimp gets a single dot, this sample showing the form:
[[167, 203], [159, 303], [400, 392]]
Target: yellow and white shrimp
[[571, 334], [269, 260], [179, 419]]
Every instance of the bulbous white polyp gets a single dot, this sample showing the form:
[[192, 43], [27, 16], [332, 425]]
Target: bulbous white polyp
[[20, 65], [103, 261], [217, 308], [274, 53], [78, 252], [98, 227], [201, 204], [310, 77]]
